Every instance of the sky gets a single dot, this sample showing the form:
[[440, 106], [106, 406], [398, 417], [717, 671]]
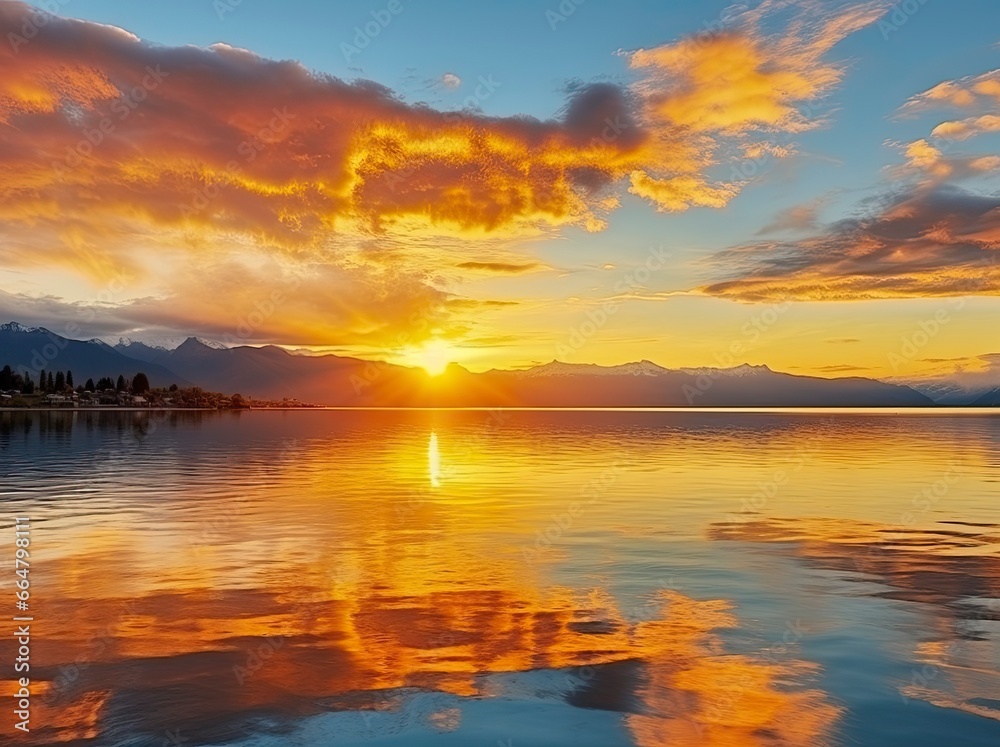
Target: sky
[[806, 184]]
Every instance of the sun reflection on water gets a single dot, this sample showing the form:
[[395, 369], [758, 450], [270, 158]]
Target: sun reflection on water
[[434, 461]]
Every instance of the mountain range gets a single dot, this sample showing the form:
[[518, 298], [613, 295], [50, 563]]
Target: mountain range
[[37, 349], [951, 393], [272, 373]]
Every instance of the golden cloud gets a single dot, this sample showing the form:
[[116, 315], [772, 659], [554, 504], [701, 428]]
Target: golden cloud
[[511, 268], [293, 154], [942, 242], [966, 128], [973, 90], [735, 90], [979, 93], [120, 155]]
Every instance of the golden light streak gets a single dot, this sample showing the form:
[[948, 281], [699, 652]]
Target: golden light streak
[[434, 461]]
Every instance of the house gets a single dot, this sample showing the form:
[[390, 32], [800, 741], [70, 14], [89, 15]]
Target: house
[[61, 400]]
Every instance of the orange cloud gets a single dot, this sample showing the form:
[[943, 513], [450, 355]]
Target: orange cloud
[[943, 242], [679, 192], [966, 128], [123, 156], [741, 84], [924, 157], [757, 89], [935, 167], [973, 90], [980, 93], [220, 137]]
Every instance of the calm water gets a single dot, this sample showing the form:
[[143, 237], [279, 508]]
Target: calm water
[[559, 578]]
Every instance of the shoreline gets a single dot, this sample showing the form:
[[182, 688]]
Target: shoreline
[[110, 409], [882, 410]]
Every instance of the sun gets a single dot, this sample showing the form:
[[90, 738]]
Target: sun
[[433, 357]]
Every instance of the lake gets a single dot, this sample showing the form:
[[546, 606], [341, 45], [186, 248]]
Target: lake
[[510, 578]]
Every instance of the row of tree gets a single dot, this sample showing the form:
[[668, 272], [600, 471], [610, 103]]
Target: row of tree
[[61, 382], [54, 384], [139, 384]]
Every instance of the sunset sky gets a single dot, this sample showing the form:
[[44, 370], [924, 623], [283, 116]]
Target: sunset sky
[[808, 184]]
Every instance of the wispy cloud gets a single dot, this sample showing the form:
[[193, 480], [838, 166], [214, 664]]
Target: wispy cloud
[[739, 90], [842, 368], [794, 219], [942, 242], [977, 97], [510, 268], [963, 93]]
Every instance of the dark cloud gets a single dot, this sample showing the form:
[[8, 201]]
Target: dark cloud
[[939, 242], [842, 368], [474, 303], [500, 267]]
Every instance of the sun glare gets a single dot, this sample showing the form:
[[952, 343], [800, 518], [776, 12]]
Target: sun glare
[[434, 461], [433, 357]]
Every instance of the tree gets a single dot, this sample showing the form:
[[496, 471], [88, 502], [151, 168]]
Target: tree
[[6, 378], [60, 381], [121, 386], [50, 386], [173, 388], [140, 384], [29, 385], [41, 380], [237, 402], [69, 379], [89, 386]]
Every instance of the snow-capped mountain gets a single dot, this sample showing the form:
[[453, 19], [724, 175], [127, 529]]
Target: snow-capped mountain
[[163, 343], [950, 393], [35, 349], [17, 327], [735, 372], [559, 368], [636, 368]]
